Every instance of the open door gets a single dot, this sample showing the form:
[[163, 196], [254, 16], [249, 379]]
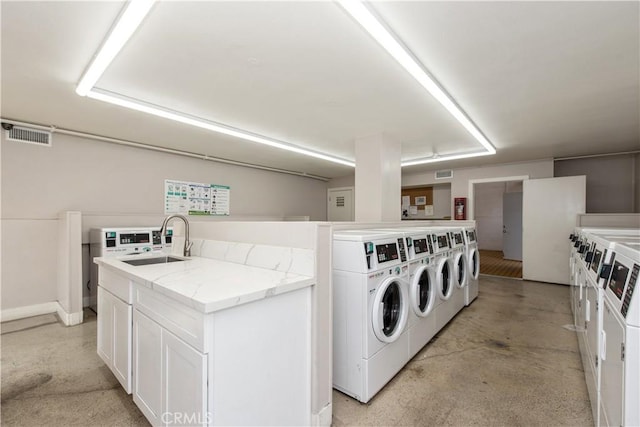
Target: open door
[[512, 226], [549, 209]]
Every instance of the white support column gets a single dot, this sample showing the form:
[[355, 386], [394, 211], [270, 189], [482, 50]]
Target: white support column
[[70, 267], [378, 179]]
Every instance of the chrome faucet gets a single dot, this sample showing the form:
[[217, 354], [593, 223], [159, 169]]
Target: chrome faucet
[[187, 243]]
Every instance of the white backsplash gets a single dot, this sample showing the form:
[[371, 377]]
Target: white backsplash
[[277, 258]]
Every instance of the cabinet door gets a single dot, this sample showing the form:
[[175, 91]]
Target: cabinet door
[[185, 382], [122, 343], [147, 367], [105, 326]]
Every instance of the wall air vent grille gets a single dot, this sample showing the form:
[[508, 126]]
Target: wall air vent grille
[[448, 174], [29, 136], [340, 201]]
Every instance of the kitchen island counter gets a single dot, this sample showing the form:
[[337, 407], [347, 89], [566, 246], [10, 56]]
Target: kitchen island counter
[[208, 285]]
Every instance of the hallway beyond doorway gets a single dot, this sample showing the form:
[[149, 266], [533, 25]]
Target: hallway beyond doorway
[[492, 263]]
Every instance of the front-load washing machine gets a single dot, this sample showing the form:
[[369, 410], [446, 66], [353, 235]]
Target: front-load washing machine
[[422, 290], [442, 269], [457, 256], [370, 311], [473, 267], [620, 344]]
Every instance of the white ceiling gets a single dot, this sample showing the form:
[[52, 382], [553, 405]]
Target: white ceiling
[[540, 79]]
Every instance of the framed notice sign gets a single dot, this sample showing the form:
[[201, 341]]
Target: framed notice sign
[[195, 198]]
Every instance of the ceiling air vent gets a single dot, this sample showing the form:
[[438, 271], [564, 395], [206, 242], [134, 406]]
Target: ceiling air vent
[[448, 174], [29, 136]]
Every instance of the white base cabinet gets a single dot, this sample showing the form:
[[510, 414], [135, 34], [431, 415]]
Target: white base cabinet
[[245, 365], [170, 376], [114, 336]]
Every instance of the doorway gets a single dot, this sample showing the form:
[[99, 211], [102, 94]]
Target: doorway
[[496, 206]]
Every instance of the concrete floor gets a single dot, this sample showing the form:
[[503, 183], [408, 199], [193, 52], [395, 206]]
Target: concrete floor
[[508, 359]]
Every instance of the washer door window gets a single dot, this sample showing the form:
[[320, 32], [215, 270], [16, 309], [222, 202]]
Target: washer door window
[[422, 292], [474, 263], [460, 270], [390, 310], [444, 278]]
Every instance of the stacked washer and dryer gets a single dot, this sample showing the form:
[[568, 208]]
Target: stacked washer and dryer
[[609, 334]]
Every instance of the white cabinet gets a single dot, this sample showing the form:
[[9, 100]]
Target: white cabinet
[[114, 336], [170, 376]]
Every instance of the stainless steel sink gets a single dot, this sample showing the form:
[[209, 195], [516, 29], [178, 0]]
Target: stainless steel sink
[[155, 260]]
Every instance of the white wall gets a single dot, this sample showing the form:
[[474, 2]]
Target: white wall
[[441, 195], [102, 178], [488, 211], [441, 201], [461, 177], [343, 181]]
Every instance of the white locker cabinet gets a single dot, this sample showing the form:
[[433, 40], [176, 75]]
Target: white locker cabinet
[[114, 336]]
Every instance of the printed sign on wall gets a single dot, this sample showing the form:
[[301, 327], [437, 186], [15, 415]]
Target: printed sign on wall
[[195, 198]]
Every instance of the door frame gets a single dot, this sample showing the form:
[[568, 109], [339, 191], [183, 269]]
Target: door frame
[[472, 182], [353, 199]]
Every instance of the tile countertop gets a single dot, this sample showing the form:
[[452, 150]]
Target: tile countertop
[[208, 285]]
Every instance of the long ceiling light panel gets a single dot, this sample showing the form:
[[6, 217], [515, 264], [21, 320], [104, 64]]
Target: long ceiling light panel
[[177, 116], [128, 23], [379, 32]]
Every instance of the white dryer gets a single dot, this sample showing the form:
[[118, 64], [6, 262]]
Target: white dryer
[[442, 273], [596, 274], [578, 276], [370, 311], [581, 254], [473, 265], [422, 290], [620, 345]]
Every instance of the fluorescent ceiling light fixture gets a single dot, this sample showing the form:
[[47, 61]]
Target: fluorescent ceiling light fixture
[[128, 23], [435, 159], [208, 125], [379, 32]]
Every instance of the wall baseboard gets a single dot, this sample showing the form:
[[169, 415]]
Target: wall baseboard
[[28, 311], [69, 319], [324, 417]]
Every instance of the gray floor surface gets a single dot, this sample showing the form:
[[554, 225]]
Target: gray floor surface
[[509, 359]]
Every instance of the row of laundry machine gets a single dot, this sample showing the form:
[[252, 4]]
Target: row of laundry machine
[[604, 265], [393, 290]]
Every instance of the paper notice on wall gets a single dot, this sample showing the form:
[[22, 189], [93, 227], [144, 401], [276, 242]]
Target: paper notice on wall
[[421, 200], [194, 198], [406, 201], [220, 199], [428, 210], [413, 210]]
